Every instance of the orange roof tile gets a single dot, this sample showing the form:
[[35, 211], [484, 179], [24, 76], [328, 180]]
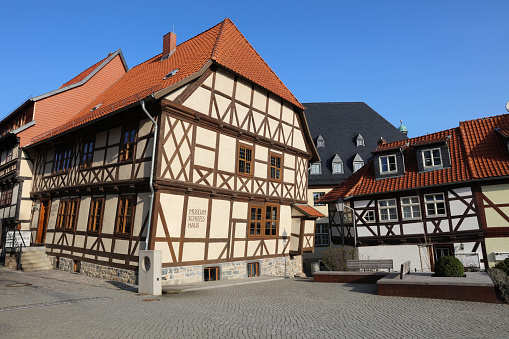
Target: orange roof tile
[[222, 44], [364, 182], [308, 210], [83, 74], [487, 155]]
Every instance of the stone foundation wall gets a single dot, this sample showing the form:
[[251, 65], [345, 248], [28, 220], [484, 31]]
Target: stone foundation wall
[[232, 270], [185, 274], [94, 270]]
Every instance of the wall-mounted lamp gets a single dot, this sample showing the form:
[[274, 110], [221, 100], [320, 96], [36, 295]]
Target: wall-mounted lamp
[[462, 246]]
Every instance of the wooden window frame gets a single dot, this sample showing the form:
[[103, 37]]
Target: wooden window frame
[[435, 203], [323, 235], [432, 157], [6, 197], [317, 196], [87, 152], [280, 168], [388, 164], [209, 269], [121, 216], [8, 155], [247, 162], [358, 164], [388, 208], [263, 220], [253, 266], [411, 205], [62, 160], [127, 150], [369, 220], [336, 166], [67, 215], [316, 168], [95, 219]]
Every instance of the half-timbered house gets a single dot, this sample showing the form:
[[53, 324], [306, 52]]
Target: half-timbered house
[[444, 193], [229, 147], [345, 133], [34, 116]]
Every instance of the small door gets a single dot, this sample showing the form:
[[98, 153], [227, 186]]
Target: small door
[[43, 222]]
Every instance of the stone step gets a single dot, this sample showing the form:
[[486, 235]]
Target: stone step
[[34, 259], [36, 266], [34, 249], [33, 254]]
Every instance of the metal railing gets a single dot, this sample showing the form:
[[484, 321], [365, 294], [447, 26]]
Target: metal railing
[[13, 248]]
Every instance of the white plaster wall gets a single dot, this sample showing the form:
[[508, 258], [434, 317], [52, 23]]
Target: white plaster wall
[[398, 253], [110, 207], [100, 139], [173, 95], [243, 91], [199, 100], [173, 208], [461, 191], [224, 82], [227, 150], [196, 203], [115, 135], [83, 212], [219, 221]]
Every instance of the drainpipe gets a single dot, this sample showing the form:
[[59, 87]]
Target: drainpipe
[[151, 183]]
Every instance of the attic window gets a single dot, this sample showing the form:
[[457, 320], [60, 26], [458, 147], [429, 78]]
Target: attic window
[[432, 157], [96, 107], [358, 162], [360, 141], [172, 73], [320, 141], [337, 165]]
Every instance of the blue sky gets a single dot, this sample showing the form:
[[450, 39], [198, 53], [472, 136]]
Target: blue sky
[[430, 63]]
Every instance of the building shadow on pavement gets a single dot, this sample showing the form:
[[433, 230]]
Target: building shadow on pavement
[[123, 286]]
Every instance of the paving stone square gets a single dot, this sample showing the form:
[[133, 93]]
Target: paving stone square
[[61, 305]]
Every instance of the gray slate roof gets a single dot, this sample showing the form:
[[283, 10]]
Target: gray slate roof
[[339, 123]]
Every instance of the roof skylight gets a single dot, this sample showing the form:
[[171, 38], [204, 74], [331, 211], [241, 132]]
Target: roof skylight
[[172, 73]]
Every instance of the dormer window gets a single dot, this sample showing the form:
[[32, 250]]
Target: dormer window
[[432, 157], [388, 164], [358, 162], [316, 168], [360, 141], [320, 141], [337, 165]]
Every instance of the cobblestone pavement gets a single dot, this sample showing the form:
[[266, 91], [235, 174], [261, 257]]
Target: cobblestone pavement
[[63, 305]]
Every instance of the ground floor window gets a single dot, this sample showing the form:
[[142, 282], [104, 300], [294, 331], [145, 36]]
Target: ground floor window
[[322, 235], [211, 273], [443, 250], [253, 269]]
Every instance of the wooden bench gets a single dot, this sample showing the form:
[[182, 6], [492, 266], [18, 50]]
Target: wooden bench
[[357, 265], [405, 269]]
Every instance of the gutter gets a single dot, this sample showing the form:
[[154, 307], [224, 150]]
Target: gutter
[[151, 182]]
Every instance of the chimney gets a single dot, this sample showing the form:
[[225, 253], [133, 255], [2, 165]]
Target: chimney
[[169, 45], [381, 142]]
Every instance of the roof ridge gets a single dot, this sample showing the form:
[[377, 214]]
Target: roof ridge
[[218, 40], [263, 60], [484, 118]]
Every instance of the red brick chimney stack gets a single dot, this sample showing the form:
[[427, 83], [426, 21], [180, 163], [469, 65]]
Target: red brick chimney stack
[[169, 44]]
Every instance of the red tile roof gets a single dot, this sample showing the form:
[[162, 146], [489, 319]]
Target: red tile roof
[[476, 149], [308, 211], [487, 155], [83, 74], [222, 44]]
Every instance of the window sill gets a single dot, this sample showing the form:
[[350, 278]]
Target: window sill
[[436, 216]]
